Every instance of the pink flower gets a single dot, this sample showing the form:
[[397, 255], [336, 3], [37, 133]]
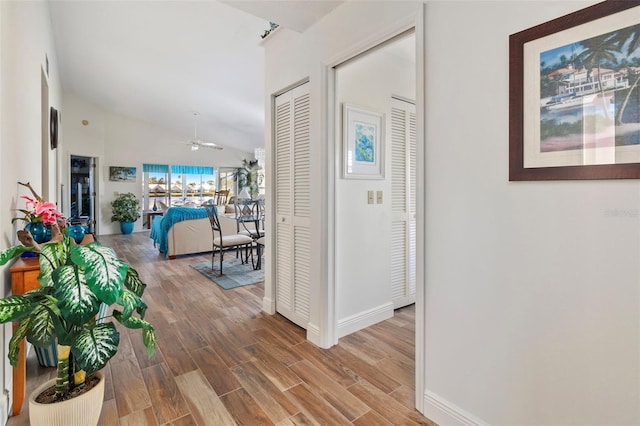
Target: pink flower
[[40, 211], [30, 202], [44, 207]]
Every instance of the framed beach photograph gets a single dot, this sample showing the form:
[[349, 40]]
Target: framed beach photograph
[[574, 96], [122, 174], [363, 155]]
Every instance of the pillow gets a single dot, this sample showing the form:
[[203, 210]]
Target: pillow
[[229, 208]]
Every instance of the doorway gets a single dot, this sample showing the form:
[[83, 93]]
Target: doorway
[[382, 80], [82, 192], [378, 207]]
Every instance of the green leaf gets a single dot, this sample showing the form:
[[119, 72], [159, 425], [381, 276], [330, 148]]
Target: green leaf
[[129, 301], [18, 335], [14, 308], [41, 332], [77, 302], [148, 332], [39, 293], [129, 322], [52, 256], [149, 339], [104, 272], [134, 283], [94, 347], [66, 336], [142, 309], [10, 253]]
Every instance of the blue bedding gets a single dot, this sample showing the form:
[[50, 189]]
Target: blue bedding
[[161, 226]]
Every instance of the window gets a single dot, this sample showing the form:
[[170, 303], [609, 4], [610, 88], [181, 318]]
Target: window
[[176, 185], [154, 185], [226, 180]]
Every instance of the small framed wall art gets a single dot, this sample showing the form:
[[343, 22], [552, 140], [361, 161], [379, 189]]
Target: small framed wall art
[[363, 154], [122, 174]]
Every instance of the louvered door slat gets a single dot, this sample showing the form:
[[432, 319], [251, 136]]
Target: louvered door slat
[[398, 160], [412, 204], [284, 264], [302, 274], [403, 185], [412, 162], [293, 205], [283, 159], [398, 260], [302, 156]]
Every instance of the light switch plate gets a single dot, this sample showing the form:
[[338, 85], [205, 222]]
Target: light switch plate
[[370, 197], [379, 195]]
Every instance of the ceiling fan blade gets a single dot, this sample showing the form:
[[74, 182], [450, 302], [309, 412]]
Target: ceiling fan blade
[[208, 144], [196, 142]]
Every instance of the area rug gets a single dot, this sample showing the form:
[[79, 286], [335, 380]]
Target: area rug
[[235, 273]]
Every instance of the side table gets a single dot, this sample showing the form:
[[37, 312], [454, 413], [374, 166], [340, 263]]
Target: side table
[[24, 277], [149, 216]]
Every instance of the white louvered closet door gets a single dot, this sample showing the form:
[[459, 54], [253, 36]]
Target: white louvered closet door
[[293, 205], [403, 203]]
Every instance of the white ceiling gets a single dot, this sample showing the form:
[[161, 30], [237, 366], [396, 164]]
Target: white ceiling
[[161, 61]]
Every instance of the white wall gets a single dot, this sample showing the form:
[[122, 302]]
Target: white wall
[[532, 288], [25, 39], [122, 141], [368, 82]]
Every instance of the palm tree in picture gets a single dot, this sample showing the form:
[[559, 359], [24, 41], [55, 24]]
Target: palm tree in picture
[[630, 37], [598, 50]]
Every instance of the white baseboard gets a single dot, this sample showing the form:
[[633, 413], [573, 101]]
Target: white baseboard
[[364, 319], [313, 335], [444, 413], [269, 305]]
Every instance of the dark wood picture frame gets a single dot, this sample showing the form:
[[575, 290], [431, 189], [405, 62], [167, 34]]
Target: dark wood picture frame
[[517, 108], [53, 127]]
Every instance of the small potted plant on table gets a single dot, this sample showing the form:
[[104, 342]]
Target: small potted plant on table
[[126, 210]]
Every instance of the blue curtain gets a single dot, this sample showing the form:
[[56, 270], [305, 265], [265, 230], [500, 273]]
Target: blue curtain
[[191, 170], [155, 168]]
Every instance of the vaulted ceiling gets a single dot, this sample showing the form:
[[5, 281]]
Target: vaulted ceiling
[[161, 61]]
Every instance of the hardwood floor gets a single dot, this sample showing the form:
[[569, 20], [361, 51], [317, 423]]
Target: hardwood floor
[[221, 361]]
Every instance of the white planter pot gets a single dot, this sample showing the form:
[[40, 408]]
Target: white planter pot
[[83, 410]]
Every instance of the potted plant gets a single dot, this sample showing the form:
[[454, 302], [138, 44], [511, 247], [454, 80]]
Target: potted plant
[[38, 216], [247, 176], [75, 281], [126, 210]]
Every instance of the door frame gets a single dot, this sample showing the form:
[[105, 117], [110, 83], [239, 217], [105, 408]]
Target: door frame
[[324, 333], [331, 161], [96, 187]]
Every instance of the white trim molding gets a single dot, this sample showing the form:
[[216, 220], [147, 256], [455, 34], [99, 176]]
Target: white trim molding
[[444, 413], [313, 335], [364, 319], [268, 305]]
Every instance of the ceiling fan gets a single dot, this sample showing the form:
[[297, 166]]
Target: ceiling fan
[[196, 143]]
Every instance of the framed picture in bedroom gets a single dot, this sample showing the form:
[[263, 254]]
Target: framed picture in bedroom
[[363, 153], [574, 96]]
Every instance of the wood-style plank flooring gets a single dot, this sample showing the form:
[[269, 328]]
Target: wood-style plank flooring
[[222, 361]]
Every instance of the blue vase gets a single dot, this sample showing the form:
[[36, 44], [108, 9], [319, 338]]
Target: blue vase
[[77, 233], [126, 227], [40, 232]]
